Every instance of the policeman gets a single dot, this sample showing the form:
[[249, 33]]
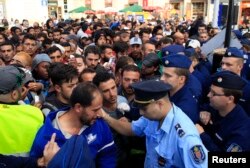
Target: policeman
[[233, 61], [172, 139], [227, 129], [176, 73]]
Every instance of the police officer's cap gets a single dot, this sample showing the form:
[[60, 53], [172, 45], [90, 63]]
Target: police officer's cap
[[177, 61], [172, 49], [189, 52], [234, 52], [149, 91], [228, 80]]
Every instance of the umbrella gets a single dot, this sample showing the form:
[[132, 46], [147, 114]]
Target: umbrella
[[100, 12], [152, 8], [133, 8], [80, 9], [89, 12]]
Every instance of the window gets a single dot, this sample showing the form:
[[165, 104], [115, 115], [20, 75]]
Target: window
[[198, 9]]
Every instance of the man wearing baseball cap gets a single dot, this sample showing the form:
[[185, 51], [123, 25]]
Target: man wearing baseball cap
[[18, 123]]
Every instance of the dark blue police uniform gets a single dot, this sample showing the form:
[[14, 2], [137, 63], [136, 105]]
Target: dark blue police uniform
[[245, 100], [230, 133], [186, 97]]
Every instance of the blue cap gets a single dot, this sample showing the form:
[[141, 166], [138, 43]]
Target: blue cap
[[234, 52], [149, 91], [245, 41], [189, 52], [228, 80], [172, 49], [177, 61], [238, 34]]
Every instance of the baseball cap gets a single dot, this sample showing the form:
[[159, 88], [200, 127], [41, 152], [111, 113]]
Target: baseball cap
[[135, 40], [13, 78]]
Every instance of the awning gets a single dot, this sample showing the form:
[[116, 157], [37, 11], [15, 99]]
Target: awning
[[152, 8], [80, 9]]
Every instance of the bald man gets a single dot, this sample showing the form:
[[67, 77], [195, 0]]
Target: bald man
[[23, 59], [179, 38]]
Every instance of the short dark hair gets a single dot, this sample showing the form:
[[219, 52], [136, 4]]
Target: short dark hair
[[83, 93], [53, 49], [29, 36], [57, 30], [133, 68], [8, 43], [60, 73], [86, 70], [29, 28], [120, 46], [144, 30], [122, 62], [102, 77], [39, 35], [104, 47], [92, 49], [237, 94], [65, 44]]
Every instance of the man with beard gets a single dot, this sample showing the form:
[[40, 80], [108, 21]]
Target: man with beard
[[136, 50], [131, 74], [92, 55], [56, 36], [115, 106], [106, 53], [150, 67], [64, 79], [81, 119]]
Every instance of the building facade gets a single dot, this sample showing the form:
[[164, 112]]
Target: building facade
[[40, 10]]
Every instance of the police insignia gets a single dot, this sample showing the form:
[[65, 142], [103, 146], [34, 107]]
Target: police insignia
[[179, 130], [166, 62], [219, 80], [198, 154], [234, 148]]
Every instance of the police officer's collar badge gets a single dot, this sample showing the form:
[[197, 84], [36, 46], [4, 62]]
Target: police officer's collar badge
[[219, 79], [234, 148], [198, 154], [179, 130]]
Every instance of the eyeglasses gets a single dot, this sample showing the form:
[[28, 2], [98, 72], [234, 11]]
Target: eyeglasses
[[212, 93]]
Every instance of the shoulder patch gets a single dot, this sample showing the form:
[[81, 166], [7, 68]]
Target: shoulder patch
[[234, 148], [179, 130], [198, 154]]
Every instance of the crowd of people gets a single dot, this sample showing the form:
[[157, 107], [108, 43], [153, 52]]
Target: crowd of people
[[121, 93]]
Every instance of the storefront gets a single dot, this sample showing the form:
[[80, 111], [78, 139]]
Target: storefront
[[2, 9], [244, 11], [176, 8], [199, 8]]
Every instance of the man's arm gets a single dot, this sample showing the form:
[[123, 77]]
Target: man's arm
[[120, 126]]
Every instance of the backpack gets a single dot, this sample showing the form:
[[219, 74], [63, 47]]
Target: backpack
[[74, 153]]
